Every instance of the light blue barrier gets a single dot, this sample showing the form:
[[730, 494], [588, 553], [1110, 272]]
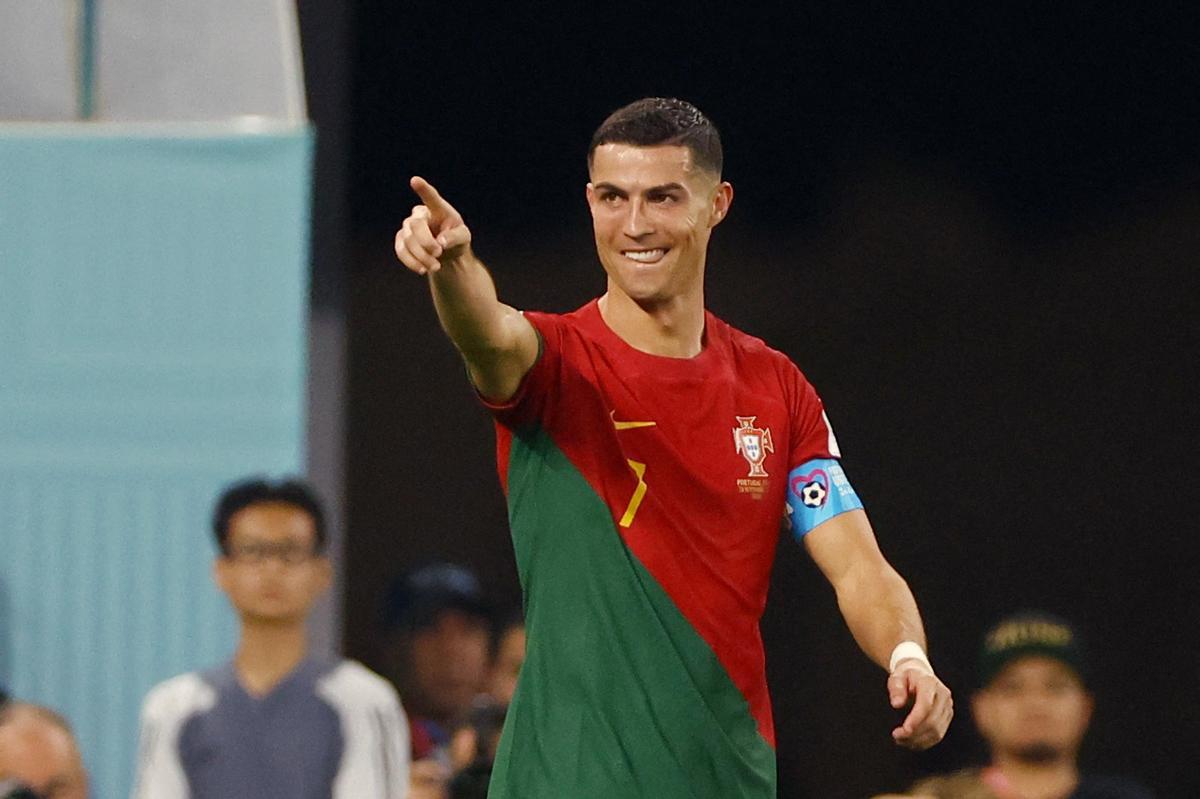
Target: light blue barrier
[[153, 302]]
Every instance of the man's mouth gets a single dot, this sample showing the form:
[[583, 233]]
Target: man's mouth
[[645, 256]]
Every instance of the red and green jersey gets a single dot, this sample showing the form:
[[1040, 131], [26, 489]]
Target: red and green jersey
[[645, 499]]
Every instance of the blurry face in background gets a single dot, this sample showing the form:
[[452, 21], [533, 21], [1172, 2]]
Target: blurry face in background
[[272, 574], [448, 663], [1035, 710], [507, 667], [44, 757]]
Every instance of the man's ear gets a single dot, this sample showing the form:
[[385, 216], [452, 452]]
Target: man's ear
[[722, 199], [220, 572], [981, 711], [325, 574]]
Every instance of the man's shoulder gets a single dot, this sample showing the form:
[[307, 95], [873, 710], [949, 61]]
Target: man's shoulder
[[179, 696], [748, 348], [351, 684], [582, 319]]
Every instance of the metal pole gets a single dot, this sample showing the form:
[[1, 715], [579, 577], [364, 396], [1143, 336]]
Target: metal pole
[[87, 59]]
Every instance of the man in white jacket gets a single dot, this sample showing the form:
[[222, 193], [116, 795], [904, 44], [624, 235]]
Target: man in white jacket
[[275, 721]]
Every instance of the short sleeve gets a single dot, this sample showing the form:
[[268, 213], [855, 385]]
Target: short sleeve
[[818, 488], [812, 434], [528, 404]]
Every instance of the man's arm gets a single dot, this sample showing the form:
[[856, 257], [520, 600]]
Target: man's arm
[[498, 344], [881, 613]]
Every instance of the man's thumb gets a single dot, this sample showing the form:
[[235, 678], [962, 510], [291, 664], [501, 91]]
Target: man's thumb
[[456, 236]]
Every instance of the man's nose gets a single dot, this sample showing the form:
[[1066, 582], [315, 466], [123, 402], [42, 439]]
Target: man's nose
[[637, 222]]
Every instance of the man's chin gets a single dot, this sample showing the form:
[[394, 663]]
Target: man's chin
[[1038, 753]]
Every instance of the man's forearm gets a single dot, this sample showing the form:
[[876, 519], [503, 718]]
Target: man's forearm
[[464, 297], [879, 610], [497, 343]]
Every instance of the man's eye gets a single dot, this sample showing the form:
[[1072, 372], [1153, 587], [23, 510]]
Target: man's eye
[[611, 197], [663, 199]]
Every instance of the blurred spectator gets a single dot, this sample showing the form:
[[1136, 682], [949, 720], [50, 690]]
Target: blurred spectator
[[508, 655], [1032, 709], [38, 754], [436, 651], [275, 721], [473, 748], [474, 742]]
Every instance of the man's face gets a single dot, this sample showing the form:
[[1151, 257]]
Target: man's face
[[1035, 710], [449, 661], [272, 573], [43, 757], [652, 213]]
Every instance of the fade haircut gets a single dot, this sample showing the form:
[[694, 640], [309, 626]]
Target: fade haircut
[[259, 491], [663, 121]]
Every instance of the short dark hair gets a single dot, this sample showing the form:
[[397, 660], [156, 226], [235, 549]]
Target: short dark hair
[[260, 491], [655, 121], [417, 600]]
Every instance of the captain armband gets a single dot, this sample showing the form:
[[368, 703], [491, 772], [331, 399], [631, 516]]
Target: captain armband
[[817, 491]]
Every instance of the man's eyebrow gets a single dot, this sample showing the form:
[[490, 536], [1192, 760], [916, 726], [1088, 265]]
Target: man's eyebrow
[[663, 189]]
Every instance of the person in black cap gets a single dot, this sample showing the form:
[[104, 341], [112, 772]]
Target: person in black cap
[[1032, 709], [437, 653]]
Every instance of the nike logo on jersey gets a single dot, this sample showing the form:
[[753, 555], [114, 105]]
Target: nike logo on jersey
[[628, 425]]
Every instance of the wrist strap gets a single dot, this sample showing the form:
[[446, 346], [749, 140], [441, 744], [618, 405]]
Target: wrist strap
[[908, 650]]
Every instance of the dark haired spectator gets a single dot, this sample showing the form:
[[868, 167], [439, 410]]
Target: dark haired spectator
[[276, 721], [1032, 708], [436, 651], [38, 754]]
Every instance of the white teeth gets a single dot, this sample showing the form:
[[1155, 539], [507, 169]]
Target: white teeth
[[644, 256]]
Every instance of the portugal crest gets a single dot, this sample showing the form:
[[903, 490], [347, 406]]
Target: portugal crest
[[753, 444]]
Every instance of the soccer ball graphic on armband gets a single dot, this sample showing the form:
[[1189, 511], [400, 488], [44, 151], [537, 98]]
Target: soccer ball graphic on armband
[[813, 494]]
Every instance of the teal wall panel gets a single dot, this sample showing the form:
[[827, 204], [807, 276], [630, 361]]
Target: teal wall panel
[[153, 302]]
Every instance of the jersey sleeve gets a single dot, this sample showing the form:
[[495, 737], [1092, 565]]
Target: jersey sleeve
[[159, 769], [527, 405], [817, 487]]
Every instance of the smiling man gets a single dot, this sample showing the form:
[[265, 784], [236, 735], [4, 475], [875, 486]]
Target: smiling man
[[649, 453]]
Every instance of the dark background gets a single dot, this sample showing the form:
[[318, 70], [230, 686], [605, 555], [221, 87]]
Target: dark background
[[976, 231]]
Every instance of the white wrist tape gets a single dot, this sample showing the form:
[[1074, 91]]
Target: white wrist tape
[[908, 650]]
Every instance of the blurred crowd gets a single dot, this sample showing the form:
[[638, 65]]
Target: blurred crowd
[[278, 720]]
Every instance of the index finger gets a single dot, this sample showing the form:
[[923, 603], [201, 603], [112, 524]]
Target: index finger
[[429, 195]]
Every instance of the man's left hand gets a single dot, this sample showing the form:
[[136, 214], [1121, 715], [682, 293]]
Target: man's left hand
[[932, 705]]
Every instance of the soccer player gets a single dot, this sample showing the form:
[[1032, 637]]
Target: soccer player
[[648, 451], [276, 721]]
